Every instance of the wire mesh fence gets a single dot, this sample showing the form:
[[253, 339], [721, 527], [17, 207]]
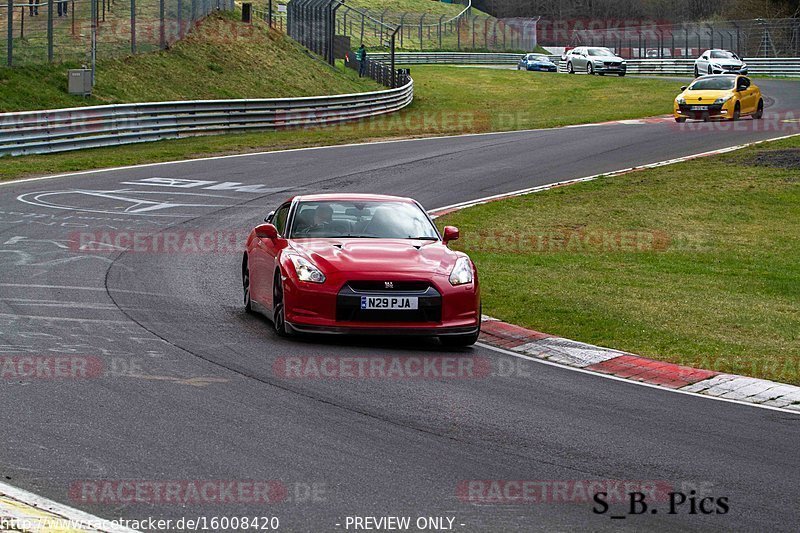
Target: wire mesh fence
[[455, 31], [747, 38], [73, 31]]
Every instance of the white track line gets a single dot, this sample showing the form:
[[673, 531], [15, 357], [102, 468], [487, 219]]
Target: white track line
[[62, 510]]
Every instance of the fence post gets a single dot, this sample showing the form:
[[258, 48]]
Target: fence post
[[402, 24], [458, 34], [10, 33], [180, 19], [49, 31], [133, 24], [441, 19], [686, 49], [162, 30], [394, 71], [421, 18], [21, 23]]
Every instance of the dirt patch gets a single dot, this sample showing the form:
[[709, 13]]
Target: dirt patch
[[788, 159]]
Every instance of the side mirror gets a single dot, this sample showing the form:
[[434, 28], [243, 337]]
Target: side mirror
[[268, 218], [450, 234], [683, 88], [266, 231]]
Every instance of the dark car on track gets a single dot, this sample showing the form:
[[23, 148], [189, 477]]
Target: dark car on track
[[538, 62]]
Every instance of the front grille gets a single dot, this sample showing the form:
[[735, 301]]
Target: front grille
[[380, 286], [429, 300], [612, 63]]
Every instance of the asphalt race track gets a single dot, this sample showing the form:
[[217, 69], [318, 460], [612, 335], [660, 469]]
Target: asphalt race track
[[191, 392]]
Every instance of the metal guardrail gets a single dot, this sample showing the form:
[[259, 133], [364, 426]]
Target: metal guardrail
[[453, 58], [41, 132], [789, 67], [685, 67]]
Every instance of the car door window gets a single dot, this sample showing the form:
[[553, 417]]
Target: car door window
[[279, 220]]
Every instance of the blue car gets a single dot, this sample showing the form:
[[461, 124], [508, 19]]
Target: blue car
[[537, 62]]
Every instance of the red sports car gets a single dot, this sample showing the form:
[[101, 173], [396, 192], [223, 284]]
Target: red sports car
[[356, 263]]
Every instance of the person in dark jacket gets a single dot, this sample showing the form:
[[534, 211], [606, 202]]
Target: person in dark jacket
[[361, 56], [33, 6]]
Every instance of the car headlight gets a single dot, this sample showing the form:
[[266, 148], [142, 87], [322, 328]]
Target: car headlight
[[722, 100], [681, 100], [462, 272], [306, 270]]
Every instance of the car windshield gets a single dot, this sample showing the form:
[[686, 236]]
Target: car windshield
[[600, 52], [722, 54], [537, 58], [361, 219], [713, 84]]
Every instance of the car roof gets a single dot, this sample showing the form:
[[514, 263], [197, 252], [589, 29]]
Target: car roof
[[332, 197]]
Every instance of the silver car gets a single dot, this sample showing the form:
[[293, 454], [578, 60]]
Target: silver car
[[719, 62], [594, 60]]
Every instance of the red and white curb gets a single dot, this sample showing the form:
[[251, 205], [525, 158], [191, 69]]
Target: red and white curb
[[623, 365], [541, 346]]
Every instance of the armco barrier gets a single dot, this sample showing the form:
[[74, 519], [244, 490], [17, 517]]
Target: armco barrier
[[789, 67], [40, 132], [453, 58]]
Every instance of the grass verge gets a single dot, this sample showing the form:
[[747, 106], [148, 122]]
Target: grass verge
[[448, 101], [694, 263]]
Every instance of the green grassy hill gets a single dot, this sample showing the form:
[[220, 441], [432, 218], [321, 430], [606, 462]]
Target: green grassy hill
[[223, 58]]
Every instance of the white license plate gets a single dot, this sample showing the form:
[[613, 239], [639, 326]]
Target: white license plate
[[699, 108], [402, 303]]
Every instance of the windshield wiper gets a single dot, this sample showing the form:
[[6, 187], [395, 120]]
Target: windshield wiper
[[424, 238]]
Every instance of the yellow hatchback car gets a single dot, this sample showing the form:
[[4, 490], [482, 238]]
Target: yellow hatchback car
[[723, 96]]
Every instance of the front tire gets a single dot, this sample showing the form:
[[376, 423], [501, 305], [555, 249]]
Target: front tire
[[737, 112], [710, 72], [680, 120], [248, 304], [279, 311], [696, 72], [589, 69], [760, 111], [621, 74], [570, 69]]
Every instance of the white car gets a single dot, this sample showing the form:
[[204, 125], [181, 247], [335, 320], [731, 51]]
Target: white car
[[719, 62]]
